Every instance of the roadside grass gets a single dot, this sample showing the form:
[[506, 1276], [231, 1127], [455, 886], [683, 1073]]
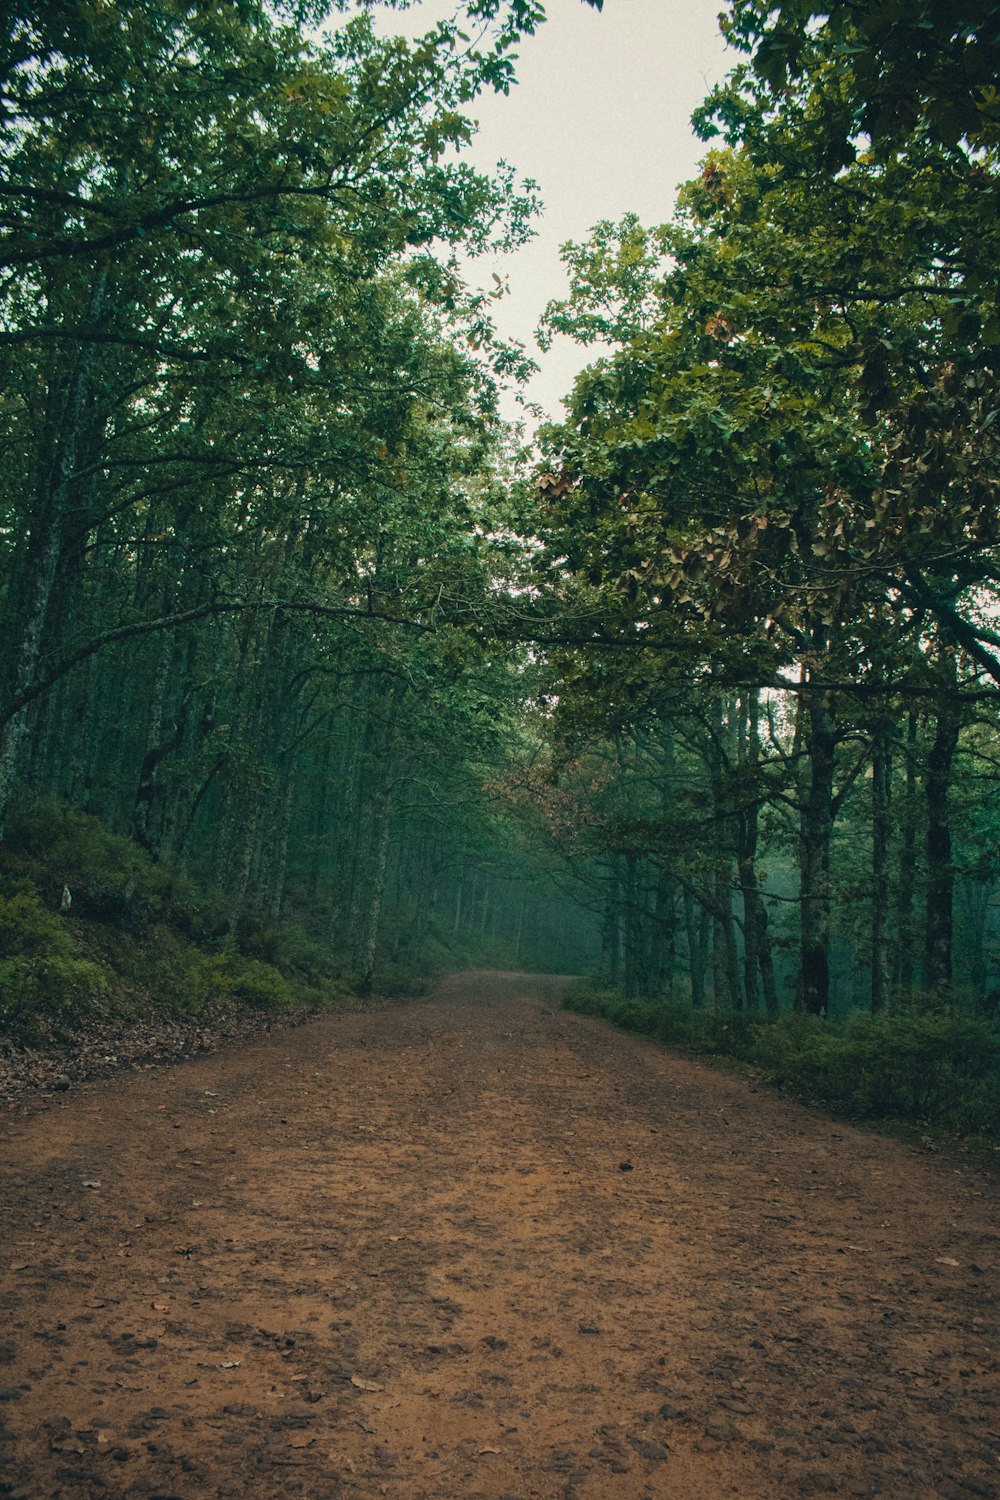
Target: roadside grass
[[933, 1069], [128, 937]]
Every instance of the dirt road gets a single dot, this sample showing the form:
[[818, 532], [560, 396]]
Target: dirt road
[[476, 1247]]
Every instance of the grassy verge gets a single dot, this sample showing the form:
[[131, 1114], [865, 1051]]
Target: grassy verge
[[92, 929], [938, 1068]]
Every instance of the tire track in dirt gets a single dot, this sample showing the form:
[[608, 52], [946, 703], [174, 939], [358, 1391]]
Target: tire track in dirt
[[475, 1246]]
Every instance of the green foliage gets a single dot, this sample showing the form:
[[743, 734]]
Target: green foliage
[[897, 70], [910, 1065], [710, 1031], [937, 1068], [782, 472], [42, 984], [144, 929], [27, 930], [230, 976], [39, 996], [110, 879], [291, 950]]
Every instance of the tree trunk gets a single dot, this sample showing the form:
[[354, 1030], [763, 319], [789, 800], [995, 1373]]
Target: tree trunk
[[940, 874], [725, 961], [156, 748], [457, 922], [378, 857], [907, 868], [771, 1002], [881, 789], [611, 934], [725, 958], [696, 923], [376, 794], [665, 935], [747, 820], [282, 834], [815, 838], [632, 928]]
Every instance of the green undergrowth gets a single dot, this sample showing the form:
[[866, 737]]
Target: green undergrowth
[[937, 1067], [91, 926], [41, 972], [138, 935]]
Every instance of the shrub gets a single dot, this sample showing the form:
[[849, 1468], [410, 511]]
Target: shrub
[[229, 976], [110, 877], [41, 982], [35, 994], [290, 949], [936, 1067], [27, 929]]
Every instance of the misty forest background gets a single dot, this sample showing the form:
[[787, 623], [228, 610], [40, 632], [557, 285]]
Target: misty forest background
[[318, 678]]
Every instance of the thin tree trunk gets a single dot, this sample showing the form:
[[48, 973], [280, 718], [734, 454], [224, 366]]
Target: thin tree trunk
[[611, 927], [907, 868], [379, 851], [632, 928], [725, 960], [881, 790], [816, 835], [666, 935], [142, 808], [747, 821], [771, 1002], [457, 922], [697, 943], [279, 864], [940, 874]]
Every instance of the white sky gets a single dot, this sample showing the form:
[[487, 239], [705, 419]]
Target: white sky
[[600, 118]]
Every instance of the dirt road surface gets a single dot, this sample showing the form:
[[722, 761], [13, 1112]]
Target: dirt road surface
[[477, 1247]]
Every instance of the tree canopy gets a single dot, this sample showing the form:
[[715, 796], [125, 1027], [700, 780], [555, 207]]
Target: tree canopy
[[702, 689]]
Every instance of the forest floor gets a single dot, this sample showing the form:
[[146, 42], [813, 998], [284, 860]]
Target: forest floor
[[473, 1246]]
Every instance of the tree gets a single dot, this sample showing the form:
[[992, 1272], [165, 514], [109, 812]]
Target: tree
[[927, 68], [250, 497], [782, 473], [194, 307]]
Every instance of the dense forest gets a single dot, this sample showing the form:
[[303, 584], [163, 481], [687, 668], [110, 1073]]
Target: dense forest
[[321, 676]]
